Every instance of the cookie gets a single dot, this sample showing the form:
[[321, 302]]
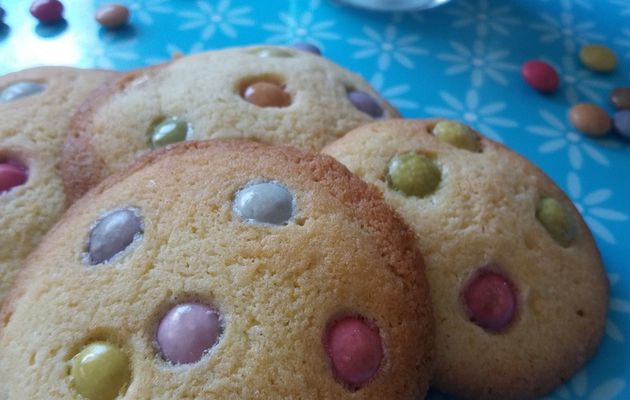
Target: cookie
[[270, 94], [35, 110], [222, 269], [518, 288]]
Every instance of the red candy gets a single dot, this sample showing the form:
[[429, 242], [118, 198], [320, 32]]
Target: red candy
[[355, 351], [47, 11], [541, 76], [12, 174], [490, 300]]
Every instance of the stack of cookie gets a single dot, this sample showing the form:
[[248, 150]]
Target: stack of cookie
[[225, 268]]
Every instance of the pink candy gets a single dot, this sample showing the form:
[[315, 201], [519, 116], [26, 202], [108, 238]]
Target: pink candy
[[541, 76], [12, 174], [355, 351], [47, 11], [490, 300]]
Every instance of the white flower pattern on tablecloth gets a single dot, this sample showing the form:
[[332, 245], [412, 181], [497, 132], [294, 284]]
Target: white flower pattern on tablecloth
[[304, 28], [552, 28], [624, 41], [393, 94], [388, 46], [173, 50], [560, 136], [591, 206], [578, 388], [220, 16], [578, 81], [616, 306], [484, 117], [624, 6], [484, 17], [106, 53], [479, 61], [143, 9]]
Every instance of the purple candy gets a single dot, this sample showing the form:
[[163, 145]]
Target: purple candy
[[621, 122], [112, 234], [366, 103], [307, 47], [187, 332], [47, 11]]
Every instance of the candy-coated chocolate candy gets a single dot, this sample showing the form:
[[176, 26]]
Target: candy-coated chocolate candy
[[621, 121], [490, 300], [19, 90], [12, 174], [620, 97], [366, 103], [169, 131], [307, 47], [590, 119], [266, 94], [267, 52], [459, 135], [413, 174], [100, 371], [2, 14], [355, 351], [541, 76], [112, 234], [187, 332], [557, 220], [598, 58], [47, 11], [112, 15], [265, 203]]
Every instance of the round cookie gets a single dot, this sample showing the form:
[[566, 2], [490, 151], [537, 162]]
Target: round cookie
[[222, 269], [271, 94], [518, 288], [35, 110]]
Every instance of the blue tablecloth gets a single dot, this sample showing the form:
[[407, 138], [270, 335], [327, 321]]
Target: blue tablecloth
[[460, 61]]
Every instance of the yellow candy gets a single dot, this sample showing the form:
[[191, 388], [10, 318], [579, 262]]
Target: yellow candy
[[557, 220], [413, 174], [598, 58], [100, 371], [459, 135]]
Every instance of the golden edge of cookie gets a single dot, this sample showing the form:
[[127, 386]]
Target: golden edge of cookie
[[525, 391], [81, 167], [387, 229]]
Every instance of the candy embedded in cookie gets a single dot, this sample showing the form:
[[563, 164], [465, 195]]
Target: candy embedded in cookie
[[365, 103], [518, 288], [171, 130], [413, 174], [187, 332], [271, 51], [355, 350], [112, 234], [223, 269], [19, 90], [12, 174], [264, 93], [100, 371], [265, 203]]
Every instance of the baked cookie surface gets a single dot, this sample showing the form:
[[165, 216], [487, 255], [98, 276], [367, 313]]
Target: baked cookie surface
[[518, 287], [222, 269], [35, 110], [271, 94]]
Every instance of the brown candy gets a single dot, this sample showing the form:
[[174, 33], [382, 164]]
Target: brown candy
[[590, 119], [620, 97], [266, 94], [112, 15]]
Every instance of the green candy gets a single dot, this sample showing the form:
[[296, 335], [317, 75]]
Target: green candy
[[557, 220], [459, 135], [100, 371], [169, 131], [267, 52], [413, 174]]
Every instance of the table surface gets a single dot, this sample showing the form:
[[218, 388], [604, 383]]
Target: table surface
[[461, 61]]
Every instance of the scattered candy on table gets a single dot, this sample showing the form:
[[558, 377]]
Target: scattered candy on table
[[598, 58], [620, 97], [541, 76], [590, 119], [47, 11], [112, 15], [621, 122]]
